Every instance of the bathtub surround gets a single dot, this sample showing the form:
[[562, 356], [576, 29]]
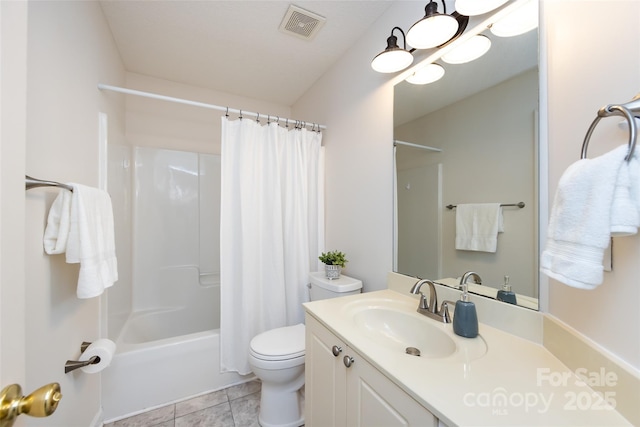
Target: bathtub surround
[[272, 230], [168, 346]]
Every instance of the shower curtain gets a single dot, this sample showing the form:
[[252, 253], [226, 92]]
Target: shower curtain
[[271, 231]]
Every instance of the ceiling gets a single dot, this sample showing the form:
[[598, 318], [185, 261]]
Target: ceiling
[[235, 46]]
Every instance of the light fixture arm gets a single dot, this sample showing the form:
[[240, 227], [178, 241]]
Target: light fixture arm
[[432, 7], [392, 41]]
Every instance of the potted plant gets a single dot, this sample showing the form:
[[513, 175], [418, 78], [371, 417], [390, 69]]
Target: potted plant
[[334, 262]]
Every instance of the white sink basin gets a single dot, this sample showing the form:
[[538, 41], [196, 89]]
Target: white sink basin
[[397, 329], [394, 325]]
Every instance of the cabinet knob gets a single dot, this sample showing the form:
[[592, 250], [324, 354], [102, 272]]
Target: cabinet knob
[[348, 361], [336, 350]]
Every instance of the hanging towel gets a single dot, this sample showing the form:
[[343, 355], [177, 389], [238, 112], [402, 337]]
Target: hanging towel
[[580, 222], [477, 226], [83, 228], [92, 241], [57, 231], [625, 216]]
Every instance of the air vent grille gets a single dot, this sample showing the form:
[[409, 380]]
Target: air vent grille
[[301, 23]]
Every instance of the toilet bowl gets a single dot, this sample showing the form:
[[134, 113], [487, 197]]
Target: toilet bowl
[[276, 357]]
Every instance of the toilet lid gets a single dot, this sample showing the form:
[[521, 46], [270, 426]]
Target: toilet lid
[[279, 344]]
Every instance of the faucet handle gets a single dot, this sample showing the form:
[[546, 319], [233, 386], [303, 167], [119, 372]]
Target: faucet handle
[[444, 311]]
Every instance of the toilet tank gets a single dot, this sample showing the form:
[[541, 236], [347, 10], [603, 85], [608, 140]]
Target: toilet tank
[[322, 288]]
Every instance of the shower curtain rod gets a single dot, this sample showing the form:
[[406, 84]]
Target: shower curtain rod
[[242, 113]]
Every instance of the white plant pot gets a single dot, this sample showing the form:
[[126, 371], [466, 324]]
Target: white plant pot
[[332, 272]]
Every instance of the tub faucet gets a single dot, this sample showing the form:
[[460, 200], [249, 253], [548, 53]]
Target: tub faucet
[[430, 308]]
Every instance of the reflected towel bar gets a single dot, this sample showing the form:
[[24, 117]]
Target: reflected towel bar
[[33, 183], [519, 204]]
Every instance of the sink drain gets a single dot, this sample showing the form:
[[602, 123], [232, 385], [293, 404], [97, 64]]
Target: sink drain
[[413, 351]]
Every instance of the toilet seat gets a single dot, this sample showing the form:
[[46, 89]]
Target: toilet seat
[[279, 344]]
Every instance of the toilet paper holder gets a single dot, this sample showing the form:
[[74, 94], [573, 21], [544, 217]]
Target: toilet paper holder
[[72, 365]]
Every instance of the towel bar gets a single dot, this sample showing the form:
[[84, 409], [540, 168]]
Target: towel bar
[[33, 183], [627, 111], [519, 204]]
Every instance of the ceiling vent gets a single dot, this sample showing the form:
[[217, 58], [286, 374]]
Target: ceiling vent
[[301, 23]]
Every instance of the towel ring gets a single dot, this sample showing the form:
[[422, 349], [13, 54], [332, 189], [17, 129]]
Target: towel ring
[[608, 111]]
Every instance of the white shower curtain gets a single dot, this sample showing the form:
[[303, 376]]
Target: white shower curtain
[[271, 231]]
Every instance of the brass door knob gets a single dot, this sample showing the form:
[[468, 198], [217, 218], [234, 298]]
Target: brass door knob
[[41, 403]]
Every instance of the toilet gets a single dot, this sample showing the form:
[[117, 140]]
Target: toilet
[[276, 357]]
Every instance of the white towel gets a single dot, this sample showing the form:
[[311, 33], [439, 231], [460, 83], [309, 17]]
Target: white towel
[[56, 233], [89, 237], [477, 226], [625, 216], [580, 223]]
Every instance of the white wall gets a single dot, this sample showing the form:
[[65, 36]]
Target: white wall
[[162, 124], [70, 50], [484, 164], [587, 69], [356, 104]]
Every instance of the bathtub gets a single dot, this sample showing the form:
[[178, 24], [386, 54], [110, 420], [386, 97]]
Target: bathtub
[[163, 356]]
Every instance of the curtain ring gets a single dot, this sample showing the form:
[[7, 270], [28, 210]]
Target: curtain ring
[[278, 120], [268, 119], [226, 114], [240, 114], [258, 118]]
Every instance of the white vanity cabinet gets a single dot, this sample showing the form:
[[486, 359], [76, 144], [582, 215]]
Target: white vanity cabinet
[[343, 389]]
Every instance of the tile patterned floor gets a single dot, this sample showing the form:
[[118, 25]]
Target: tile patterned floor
[[235, 406]]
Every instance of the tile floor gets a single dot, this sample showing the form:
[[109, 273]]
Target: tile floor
[[235, 406]]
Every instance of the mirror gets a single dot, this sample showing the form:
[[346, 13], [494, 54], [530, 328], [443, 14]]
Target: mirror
[[479, 126]]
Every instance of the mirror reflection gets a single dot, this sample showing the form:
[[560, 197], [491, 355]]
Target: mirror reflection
[[470, 138]]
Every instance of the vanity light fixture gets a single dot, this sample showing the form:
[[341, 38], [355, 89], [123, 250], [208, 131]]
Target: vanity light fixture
[[393, 58], [434, 29], [477, 7], [471, 49], [425, 75], [521, 20]]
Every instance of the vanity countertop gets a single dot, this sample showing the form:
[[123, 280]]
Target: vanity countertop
[[515, 383]]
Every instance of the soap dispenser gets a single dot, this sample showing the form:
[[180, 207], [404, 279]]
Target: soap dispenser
[[465, 318], [506, 294]]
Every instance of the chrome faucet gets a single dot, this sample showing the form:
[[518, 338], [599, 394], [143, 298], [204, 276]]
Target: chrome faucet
[[465, 277], [430, 308]]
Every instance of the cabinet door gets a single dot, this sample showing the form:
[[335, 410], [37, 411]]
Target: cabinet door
[[325, 379], [374, 400]]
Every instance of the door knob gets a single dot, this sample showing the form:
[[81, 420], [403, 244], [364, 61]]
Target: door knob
[[41, 403]]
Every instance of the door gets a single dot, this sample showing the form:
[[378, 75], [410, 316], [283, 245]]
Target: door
[[13, 48], [325, 390], [374, 400]]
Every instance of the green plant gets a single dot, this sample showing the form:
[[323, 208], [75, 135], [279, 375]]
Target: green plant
[[333, 258]]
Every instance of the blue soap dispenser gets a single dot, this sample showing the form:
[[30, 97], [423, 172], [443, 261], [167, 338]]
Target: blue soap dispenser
[[465, 318], [506, 294]]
